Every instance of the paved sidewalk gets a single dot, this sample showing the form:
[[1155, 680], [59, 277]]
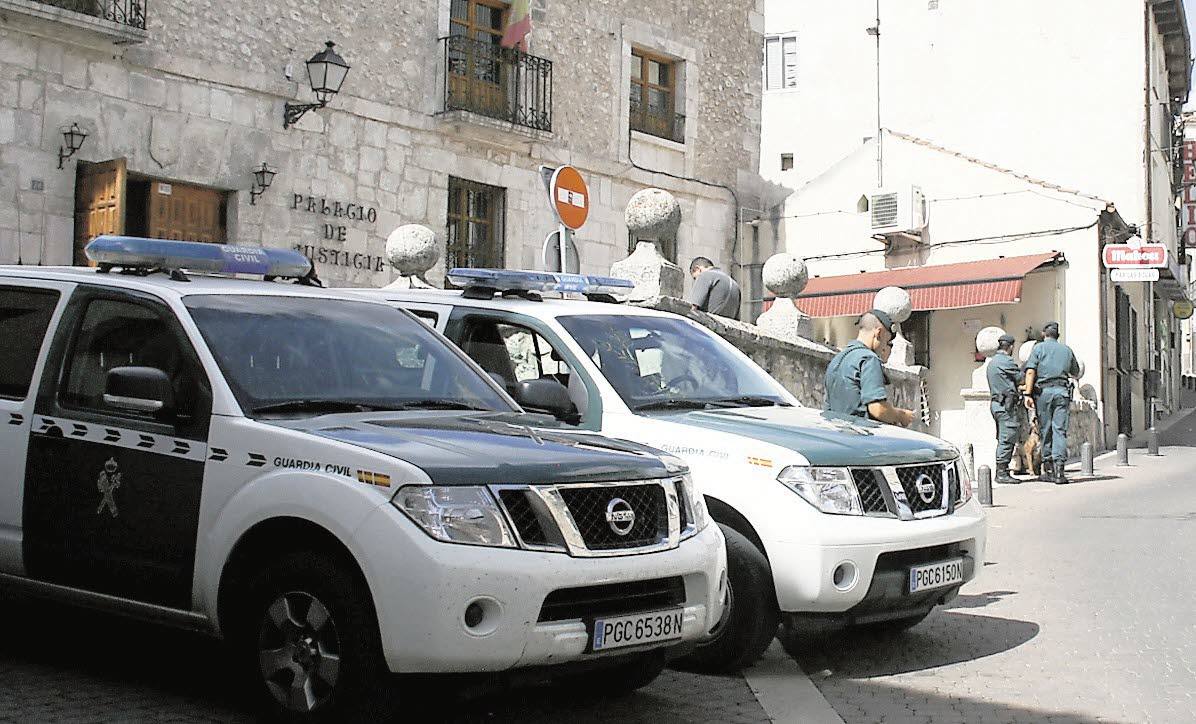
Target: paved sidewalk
[[1082, 614]]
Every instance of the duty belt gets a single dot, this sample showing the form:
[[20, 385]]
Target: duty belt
[[1056, 382]]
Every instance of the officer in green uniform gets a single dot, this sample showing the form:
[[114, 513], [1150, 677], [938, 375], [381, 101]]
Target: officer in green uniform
[[855, 378], [1003, 374], [1048, 390]]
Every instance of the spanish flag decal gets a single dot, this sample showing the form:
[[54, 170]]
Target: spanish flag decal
[[372, 478]]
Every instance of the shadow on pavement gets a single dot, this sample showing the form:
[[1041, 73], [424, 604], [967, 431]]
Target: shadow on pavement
[[946, 637], [979, 600], [875, 701]]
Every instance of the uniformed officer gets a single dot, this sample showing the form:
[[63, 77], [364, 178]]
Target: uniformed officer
[[855, 378], [1048, 390], [1003, 374]]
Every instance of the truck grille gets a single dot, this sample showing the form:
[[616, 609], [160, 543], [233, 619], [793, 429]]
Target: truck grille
[[923, 486], [612, 599], [868, 485], [523, 516], [908, 491], [589, 506]]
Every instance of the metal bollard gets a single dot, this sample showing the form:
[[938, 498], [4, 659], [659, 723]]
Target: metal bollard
[[1123, 450], [984, 481], [1152, 442], [1086, 459], [969, 459]]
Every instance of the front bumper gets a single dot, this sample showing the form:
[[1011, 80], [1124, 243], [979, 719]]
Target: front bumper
[[422, 587], [877, 554]]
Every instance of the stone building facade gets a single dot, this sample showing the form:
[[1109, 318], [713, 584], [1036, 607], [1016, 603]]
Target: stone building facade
[[180, 112]]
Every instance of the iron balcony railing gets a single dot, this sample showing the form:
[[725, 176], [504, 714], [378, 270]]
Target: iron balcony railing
[[497, 82], [122, 12], [659, 122]]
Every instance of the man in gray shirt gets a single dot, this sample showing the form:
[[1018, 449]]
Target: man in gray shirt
[[714, 291]]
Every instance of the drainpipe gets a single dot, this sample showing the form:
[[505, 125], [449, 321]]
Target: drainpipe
[[1148, 226]]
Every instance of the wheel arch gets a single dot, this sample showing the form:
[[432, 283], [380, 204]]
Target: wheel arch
[[724, 513]]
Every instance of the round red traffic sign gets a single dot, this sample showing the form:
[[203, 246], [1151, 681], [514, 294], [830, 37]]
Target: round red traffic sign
[[570, 197]]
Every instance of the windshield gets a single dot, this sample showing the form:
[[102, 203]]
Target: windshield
[[669, 363], [298, 355]]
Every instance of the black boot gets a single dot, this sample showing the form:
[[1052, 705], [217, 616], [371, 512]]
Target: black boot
[[1048, 472], [1004, 477], [1061, 474]]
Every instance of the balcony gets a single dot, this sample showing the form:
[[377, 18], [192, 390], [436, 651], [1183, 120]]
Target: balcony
[[659, 122], [499, 83], [123, 21]]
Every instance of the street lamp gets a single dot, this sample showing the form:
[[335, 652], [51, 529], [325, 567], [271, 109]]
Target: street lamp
[[262, 178], [326, 72], [72, 139]]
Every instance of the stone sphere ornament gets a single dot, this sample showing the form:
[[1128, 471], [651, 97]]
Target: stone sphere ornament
[[986, 340], [785, 275], [653, 214], [896, 302], [1023, 352], [412, 250]]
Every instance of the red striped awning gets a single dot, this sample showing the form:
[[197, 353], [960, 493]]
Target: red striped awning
[[945, 286]]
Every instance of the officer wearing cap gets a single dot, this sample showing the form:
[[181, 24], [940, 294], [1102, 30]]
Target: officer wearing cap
[[1048, 390], [1003, 374], [855, 378]]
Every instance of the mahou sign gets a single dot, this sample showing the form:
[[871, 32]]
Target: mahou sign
[[1120, 256]]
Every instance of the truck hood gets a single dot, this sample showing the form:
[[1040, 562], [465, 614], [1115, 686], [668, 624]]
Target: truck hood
[[456, 448], [823, 438]]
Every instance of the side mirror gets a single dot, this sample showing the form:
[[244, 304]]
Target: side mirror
[[549, 396], [139, 389]]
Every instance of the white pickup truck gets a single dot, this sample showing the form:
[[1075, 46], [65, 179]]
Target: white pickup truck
[[827, 518], [327, 484]]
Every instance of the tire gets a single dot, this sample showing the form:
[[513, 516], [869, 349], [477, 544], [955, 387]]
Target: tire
[[309, 616], [893, 626], [750, 620]]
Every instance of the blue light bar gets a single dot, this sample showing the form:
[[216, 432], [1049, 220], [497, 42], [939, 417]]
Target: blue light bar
[[131, 252], [503, 280]]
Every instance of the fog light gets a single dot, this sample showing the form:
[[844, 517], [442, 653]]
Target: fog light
[[474, 613], [844, 576]]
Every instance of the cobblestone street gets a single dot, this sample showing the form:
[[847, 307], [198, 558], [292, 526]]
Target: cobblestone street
[[1082, 614]]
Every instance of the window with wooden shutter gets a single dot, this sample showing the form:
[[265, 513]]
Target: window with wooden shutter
[[654, 96], [476, 214]]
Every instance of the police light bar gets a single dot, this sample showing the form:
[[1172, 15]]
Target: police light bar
[[503, 280], [130, 252]]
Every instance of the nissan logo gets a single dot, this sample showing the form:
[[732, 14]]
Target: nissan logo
[[925, 485], [619, 516]]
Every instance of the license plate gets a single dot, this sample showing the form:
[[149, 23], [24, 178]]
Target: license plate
[[935, 575], [636, 629]]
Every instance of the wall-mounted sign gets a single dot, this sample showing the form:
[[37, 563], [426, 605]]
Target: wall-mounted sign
[[1142, 256], [340, 257], [1182, 309], [336, 209], [1187, 223], [1144, 274]]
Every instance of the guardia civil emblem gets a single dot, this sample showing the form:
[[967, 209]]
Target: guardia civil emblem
[[107, 484]]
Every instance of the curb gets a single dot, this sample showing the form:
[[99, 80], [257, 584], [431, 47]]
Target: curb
[[785, 692]]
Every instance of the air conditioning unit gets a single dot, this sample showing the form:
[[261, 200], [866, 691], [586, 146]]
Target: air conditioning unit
[[898, 211]]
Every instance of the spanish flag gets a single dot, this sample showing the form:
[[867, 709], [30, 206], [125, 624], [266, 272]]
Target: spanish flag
[[518, 27]]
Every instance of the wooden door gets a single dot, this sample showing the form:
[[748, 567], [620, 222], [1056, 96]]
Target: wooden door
[[189, 213], [100, 196]]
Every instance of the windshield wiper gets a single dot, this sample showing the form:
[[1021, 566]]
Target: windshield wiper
[[439, 405], [749, 401], [673, 404], [322, 406]]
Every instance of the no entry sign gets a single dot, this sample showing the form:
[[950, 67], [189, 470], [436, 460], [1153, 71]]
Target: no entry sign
[[570, 197], [1120, 256]]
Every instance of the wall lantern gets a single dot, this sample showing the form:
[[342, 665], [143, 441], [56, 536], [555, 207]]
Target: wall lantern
[[72, 140], [262, 178], [326, 72]]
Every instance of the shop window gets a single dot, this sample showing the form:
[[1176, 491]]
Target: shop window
[[476, 215], [917, 330], [654, 84]]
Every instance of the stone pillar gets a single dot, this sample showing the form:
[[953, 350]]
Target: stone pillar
[[412, 251], [896, 302], [978, 426], [786, 276], [653, 216]]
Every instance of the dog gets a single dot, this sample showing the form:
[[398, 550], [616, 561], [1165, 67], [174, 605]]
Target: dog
[[1027, 455]]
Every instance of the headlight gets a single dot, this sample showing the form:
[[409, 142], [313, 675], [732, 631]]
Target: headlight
[[965, 481], [697, 504], [830, 490], [466, 514]]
